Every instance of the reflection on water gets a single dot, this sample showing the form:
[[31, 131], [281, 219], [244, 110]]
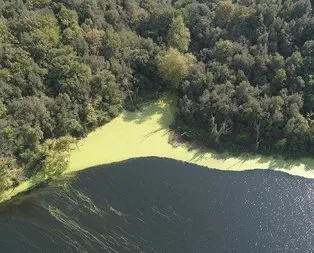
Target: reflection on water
[[161, 205]]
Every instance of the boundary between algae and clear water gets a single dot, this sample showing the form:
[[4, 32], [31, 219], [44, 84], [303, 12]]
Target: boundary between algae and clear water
[[145, 133]]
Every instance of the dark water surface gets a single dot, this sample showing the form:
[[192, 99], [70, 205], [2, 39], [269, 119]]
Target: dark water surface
[[161, 205]]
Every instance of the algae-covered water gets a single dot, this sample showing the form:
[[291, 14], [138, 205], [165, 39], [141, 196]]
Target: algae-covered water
[[162, 205], [146, 133]]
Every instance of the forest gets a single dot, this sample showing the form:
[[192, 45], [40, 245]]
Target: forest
[[243, 72]]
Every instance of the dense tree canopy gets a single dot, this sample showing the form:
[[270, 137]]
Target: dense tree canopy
[[243, 69], [66, 68], [252, 88]]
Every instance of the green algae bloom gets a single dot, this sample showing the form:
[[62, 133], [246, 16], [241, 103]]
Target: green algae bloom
[[145, 133]]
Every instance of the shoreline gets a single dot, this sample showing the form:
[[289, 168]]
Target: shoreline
[[146, 133]]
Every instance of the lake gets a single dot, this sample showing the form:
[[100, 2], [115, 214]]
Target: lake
[[162, 205]]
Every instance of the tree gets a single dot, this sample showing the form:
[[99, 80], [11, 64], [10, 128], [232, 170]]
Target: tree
[[66, 116], [2, 109], [95, 39], [179, 35], [224, 12], [10, 173], [55, 154], [174, 66], [38, 32], [67, 17], [243, 70], [67, 75]]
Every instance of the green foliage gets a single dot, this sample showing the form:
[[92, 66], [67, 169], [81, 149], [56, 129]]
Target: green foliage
[[179, 35], [174, 65], [38, 32], [243, 69], [66, 68], [54, 155], [10, 174], [224, 12], [67, 17], [260, 97]]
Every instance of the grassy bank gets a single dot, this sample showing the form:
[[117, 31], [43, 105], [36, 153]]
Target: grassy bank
[[146, 133]]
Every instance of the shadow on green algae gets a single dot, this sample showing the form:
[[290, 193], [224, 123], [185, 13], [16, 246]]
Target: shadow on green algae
[[165, 106], [274, 162], [163, 144]]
